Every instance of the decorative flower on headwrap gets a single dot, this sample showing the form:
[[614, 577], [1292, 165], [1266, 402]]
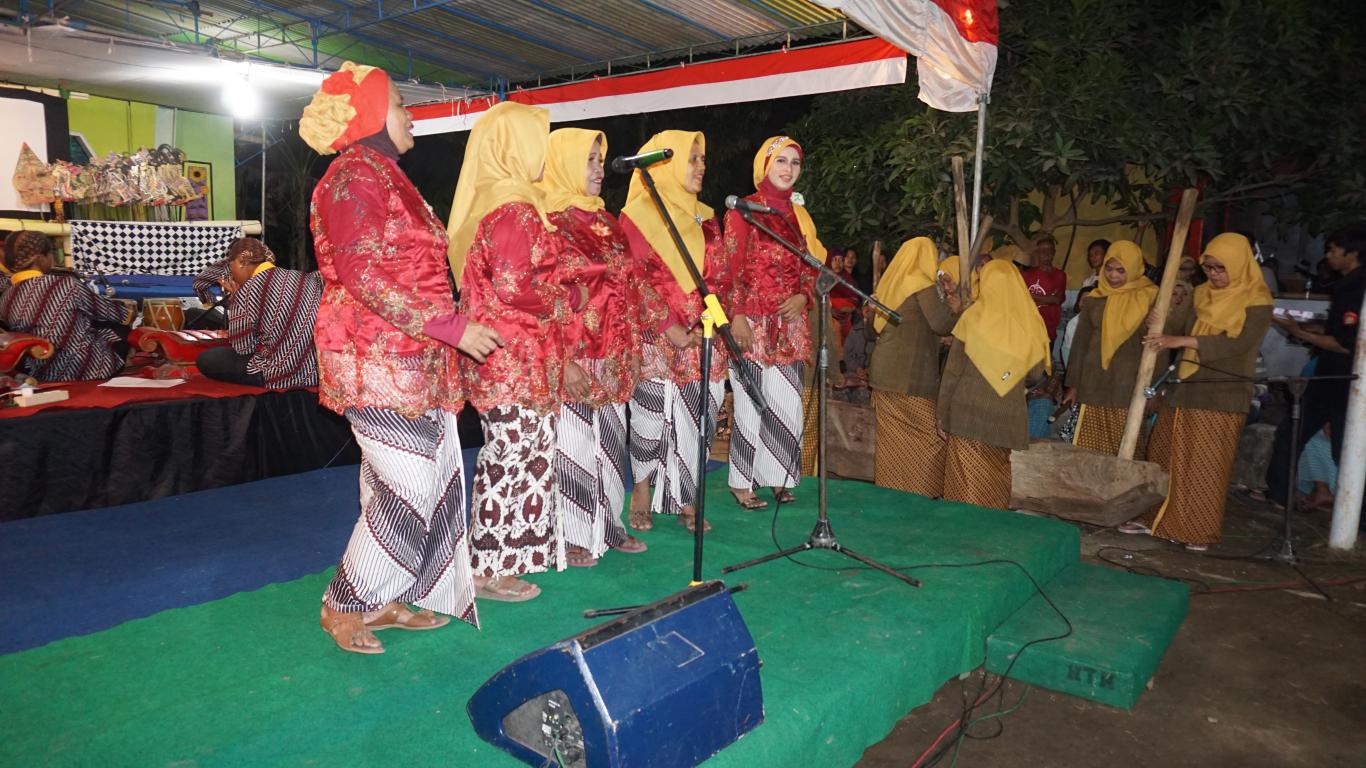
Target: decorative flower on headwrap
[[352, 104]]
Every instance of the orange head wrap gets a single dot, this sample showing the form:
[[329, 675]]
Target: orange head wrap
[[352, 103]]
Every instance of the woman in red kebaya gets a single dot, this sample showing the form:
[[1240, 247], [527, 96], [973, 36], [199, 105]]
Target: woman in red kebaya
[[387, 333], [590, 460], [664, 406], [771, 327], [505, 248]]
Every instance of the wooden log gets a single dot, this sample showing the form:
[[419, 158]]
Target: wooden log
[[1074, 483], [1147, 362]]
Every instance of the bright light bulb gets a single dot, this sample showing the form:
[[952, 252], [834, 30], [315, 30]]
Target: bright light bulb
[[241, 99]]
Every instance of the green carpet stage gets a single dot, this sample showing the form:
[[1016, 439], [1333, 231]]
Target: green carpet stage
[[251, 679]]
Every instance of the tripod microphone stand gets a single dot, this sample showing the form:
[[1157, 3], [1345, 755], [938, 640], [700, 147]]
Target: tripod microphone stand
[[823, 535], [1296, 386]]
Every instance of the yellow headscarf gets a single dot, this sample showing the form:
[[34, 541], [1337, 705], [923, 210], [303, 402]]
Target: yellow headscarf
[[769, 150], [1003, 332], [951, 266], [684, 208], [1223, 310], [506, 151], [566, 170], [1126, 306], [913, 268]]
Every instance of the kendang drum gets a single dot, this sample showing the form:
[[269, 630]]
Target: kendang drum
[[164, 314]]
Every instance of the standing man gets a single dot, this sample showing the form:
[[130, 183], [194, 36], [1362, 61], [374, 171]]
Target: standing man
[[1325, 402], [1047, 285]]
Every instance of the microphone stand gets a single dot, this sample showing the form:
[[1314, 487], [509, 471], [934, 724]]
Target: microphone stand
[[823, 535], [1295, 385], [713, 319]]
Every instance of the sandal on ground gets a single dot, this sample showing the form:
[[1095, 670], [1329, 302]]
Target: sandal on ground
[[750, 502], [399, 616], [346, 628], [1197, 547], [783, 495], [578, 557], [632, 546], [1133, 527], [507, 589], [689, 521], [639, 519]]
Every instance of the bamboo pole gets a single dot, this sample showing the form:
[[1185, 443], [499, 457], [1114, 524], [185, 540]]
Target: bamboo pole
[[63, 231], [1170, 270], [879, 262], [960, 209]]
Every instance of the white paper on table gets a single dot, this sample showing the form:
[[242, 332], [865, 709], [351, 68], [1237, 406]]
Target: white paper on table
[[133, 381]]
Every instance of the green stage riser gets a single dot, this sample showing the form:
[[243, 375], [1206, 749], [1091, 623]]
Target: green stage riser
[[252, 680], [1122, 624]]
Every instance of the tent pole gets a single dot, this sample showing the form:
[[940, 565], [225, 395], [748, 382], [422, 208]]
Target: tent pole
[[1352, 466], [263, 178], [977, 166]]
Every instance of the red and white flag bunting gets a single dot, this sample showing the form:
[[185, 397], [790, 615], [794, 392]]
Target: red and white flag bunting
[[953, 41], [797, 72]]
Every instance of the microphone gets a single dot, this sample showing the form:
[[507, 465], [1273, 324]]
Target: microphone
[[628, 163], [736, 203], [1151, 392]]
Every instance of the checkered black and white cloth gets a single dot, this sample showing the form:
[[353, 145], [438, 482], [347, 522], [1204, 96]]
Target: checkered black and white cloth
[[126, 247]]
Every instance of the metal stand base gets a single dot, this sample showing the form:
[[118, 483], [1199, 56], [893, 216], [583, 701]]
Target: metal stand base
[[823, 537]]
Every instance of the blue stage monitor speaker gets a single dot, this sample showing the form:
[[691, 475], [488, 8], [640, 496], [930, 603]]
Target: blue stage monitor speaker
[[668, 684]]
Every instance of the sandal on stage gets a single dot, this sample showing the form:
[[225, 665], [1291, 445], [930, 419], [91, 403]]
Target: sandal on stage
[[639, 519], [783, 496], [1133, 527], [346, 628], [507, 589], [750, 502], [632, 546], [578, 557], [399, 616], [689, 521]]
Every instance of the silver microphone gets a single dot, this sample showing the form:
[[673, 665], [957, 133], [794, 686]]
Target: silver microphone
[[737, 203], [1151, 392]]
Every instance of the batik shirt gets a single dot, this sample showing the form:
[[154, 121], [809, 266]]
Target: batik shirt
[[382, 255], [60, 308], [510, 284], [270, 319], [663, 303], [766, 275], [604, 337]]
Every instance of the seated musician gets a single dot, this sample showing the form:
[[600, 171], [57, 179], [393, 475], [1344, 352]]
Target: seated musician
[[270, 322], [211, 277], [90, 332]]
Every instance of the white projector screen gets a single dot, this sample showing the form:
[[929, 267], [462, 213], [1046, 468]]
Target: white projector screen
[[24, 121]]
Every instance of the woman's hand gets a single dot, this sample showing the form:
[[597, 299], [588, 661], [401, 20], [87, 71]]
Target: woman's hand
[[680, 337], [1069, 397], [576, 382], [479, 341], [792, 309], [742, 332], [1163, 341], [954, 301]]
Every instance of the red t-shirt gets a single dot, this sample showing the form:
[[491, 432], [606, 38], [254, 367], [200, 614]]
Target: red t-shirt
[[1050, 283]]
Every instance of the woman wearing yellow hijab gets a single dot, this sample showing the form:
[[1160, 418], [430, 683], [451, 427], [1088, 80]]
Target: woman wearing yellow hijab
[[664, 436], [771, 327], [904, 374], [505, 251], [998, 343], [1107, 348], [603, 342], [1197, 431]]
